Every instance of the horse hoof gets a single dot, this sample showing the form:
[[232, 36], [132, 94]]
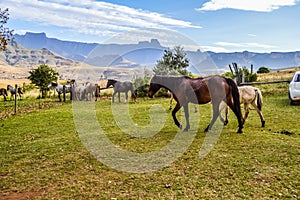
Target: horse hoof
[[225, 123], [186, 129], [263, 124], [239, 131]]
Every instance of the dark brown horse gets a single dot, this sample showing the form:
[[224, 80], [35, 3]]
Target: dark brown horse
[[3, 92], [213, 89]]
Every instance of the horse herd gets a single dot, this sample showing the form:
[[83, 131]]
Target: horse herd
[[220, 91], [89, 91], [86, 91]]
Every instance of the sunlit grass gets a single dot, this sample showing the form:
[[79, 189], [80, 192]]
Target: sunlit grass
[[42, 156]]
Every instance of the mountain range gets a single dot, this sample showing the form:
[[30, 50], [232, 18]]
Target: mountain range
[[144, 54]]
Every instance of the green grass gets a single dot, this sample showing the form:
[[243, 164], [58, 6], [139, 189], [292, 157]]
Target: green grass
[[42, 157]]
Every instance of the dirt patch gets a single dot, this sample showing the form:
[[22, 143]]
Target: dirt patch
[[21, 195], [9, 111]]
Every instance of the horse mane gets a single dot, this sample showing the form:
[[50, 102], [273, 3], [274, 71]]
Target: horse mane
[[53, 84]]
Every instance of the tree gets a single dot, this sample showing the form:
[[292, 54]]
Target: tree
[[262, 70], [6, 35], [141, 84], [42, 77], [174, 62]]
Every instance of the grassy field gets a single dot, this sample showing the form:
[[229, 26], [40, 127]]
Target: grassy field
[[43, 156]]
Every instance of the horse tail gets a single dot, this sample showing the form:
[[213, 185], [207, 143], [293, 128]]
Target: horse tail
[[20, 91], [259, 100], [133, 92], [236, 101]]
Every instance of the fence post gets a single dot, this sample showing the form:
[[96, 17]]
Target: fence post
[[64, 93], [71, 93], [16, 90]]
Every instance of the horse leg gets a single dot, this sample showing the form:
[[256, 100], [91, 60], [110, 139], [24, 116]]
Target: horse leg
[[235, 111], [196, 108], [226, 116], [222, 107], [260, 115], [119, 97], [247, 110], [133, 95], [113, 97], [59, 96], [216, 113], [186, 112], [126, 97], [174, 111]]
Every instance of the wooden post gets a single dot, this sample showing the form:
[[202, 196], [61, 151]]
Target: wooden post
[[64, 93], [230, 69], [16, 91], [243, 75], [237, 73], [71, 92]]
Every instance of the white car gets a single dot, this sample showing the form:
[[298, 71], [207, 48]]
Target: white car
[[294, 90]]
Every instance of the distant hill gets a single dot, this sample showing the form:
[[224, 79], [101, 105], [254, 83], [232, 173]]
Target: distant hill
[[147, 53], [17, 61], [73, 50]]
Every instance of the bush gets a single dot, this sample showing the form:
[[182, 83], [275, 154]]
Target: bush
[[263, 70]]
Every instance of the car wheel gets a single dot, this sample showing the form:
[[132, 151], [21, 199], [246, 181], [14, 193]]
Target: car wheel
[[291, 100]]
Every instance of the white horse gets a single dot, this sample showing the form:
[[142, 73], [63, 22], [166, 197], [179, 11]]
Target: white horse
[[90, 91], [249, 95], [59, 88], [86, 91]]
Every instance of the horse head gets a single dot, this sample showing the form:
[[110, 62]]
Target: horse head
[[110, 82], [154, 85]]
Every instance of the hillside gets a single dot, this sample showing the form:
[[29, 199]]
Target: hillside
[[148, 52], [17, 61]]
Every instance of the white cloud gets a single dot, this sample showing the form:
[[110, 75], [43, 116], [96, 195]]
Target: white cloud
[[251, 35], [90, 16], [214, 49], [251, 5]]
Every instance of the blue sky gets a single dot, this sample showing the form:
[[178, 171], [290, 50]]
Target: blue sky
[[216, 25]]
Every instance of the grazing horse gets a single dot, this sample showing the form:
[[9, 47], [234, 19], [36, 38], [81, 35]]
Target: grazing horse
[[215, 89], [59, 88], [250, 95], [3, 92], [13, 91], [97, 91], [119, 87]]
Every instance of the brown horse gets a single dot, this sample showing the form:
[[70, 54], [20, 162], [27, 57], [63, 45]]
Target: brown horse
[[3, 92], [213, 89], [171, 100]]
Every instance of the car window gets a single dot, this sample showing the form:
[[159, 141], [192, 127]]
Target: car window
[[297, 78]]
